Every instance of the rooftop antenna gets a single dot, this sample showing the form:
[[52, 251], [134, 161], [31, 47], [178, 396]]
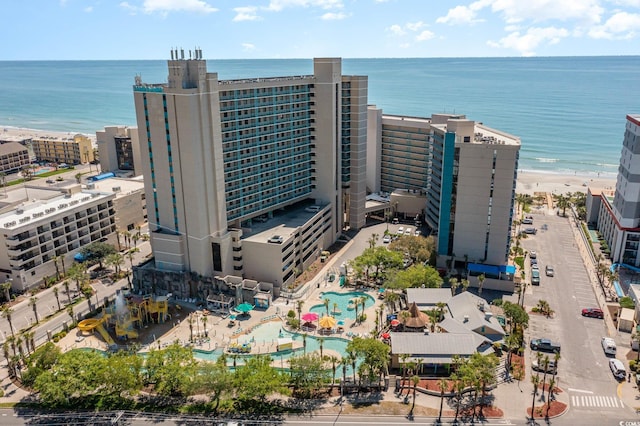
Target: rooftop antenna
[[181, 53], [172, 54]]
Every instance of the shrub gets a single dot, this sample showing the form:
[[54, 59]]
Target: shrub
[[633, 365]]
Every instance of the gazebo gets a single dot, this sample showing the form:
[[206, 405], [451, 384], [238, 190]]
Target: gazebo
[[418, 319]]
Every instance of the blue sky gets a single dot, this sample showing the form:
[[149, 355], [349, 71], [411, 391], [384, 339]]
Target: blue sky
[[239, 29]]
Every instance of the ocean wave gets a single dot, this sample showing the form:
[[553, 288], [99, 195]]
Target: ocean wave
[[547, 160]]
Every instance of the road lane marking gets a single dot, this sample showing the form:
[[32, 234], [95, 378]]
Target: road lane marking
[[580, 390]]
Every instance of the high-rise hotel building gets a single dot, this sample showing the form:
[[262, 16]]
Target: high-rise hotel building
[[618, 214], [463, 172], [251, 177]]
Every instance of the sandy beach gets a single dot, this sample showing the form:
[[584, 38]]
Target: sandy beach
[[529, 182], [18, 133]]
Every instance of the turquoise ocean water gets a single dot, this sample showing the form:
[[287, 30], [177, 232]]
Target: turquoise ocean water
[[568, 111]]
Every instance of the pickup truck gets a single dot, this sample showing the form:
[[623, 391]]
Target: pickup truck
[[544, 345]]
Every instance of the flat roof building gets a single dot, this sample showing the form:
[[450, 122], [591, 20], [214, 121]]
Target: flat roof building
[[618, 216], [37, 232], [72, 150], [13, 157], [219, 156], [462, 172], [119, 150]]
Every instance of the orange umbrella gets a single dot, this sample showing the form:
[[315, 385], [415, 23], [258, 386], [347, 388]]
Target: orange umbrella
[[327, 322]]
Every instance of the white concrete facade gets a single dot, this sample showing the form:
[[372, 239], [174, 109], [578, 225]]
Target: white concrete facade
[[119, 150]]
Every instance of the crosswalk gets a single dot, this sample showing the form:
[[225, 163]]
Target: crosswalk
[[596, 401]]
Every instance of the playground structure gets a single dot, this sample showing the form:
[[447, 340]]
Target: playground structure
[[127, 315]]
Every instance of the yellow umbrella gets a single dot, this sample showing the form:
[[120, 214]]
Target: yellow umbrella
[[327, 322]]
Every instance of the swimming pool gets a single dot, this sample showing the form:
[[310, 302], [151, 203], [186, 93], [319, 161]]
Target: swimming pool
[[340, 306]]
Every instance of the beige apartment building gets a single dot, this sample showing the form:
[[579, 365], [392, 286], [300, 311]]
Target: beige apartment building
[[119, 150], [463, 172], [13, 157], [129, 202], [53, 223], [72, 150], [251, 177]]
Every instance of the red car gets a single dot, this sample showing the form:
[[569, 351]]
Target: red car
[[593, 313]]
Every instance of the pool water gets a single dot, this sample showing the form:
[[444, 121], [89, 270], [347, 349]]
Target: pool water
[[340, 301]]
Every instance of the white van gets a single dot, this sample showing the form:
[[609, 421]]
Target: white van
[[609, 346], [617, 368]]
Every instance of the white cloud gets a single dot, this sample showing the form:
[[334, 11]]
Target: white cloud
[[526, 43], [278, 5], [513, 11], [414, 26], [248, 46], [632, 3], [248, 13], [621, 25], [166, 6], [396, 30], [425, 35], [88, 9], [464, 14], [130, 8], [333, 16]]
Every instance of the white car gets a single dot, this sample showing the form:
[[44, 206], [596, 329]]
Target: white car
[[617, 368], [408, 231], [386, 239], [400, 230], [608, 346]]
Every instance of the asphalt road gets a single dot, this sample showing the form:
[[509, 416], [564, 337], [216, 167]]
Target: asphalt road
[[583, 369]]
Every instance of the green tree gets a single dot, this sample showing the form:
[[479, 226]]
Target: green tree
[[417, 275], [215, 379], [535, 380], [78, 273], [454, 283], [56, 293], [299, 305], [116, 260], [6, 287], [97, 252], [308, 374], [415, 380], [375, 357], [171, 370], [420, 249], [443, 384], [257, 379], [326, 302], [6, 312], [33, 302], [481, 279]]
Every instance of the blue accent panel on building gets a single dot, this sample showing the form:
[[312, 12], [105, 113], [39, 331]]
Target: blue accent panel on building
[[445, 197]]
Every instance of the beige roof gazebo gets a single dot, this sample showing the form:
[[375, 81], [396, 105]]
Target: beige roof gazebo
[[418, 318]]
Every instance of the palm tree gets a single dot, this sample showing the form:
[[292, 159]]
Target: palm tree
[[299, 305], [78, 273], [552, 384], [415, 380], [55, 263], [204, 325], [465, 284], [190, 321], [304, 343], [373, 240], [66, 289], [334, 362], [443, 384], [70, 312], [56, 293], [481, 279], [326, 305], [545, 365], [403, 360], [321, 343], [6, 286], [7, 311], [335, 308], [536, 381], [453, 281], [32, 303], [458, 385], [404, 316]]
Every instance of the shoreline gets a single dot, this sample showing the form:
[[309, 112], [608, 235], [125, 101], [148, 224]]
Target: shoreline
[[528, 182]]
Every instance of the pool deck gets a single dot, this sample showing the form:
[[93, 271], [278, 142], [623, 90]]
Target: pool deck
[[220, 335]]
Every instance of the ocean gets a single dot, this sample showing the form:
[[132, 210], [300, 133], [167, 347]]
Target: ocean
[[568, 111]]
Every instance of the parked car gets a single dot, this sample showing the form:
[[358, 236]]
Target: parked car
[[533, 254], [593, 313], [400, 231], [530, 231], [408, 231], [544, 345], [527, 221], [535, 276], [386, 239], [549, 270], [617, 368], [534, 261], [608, 346], [551, 366]]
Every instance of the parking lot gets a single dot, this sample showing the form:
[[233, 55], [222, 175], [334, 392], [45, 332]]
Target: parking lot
[[583, 369]]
